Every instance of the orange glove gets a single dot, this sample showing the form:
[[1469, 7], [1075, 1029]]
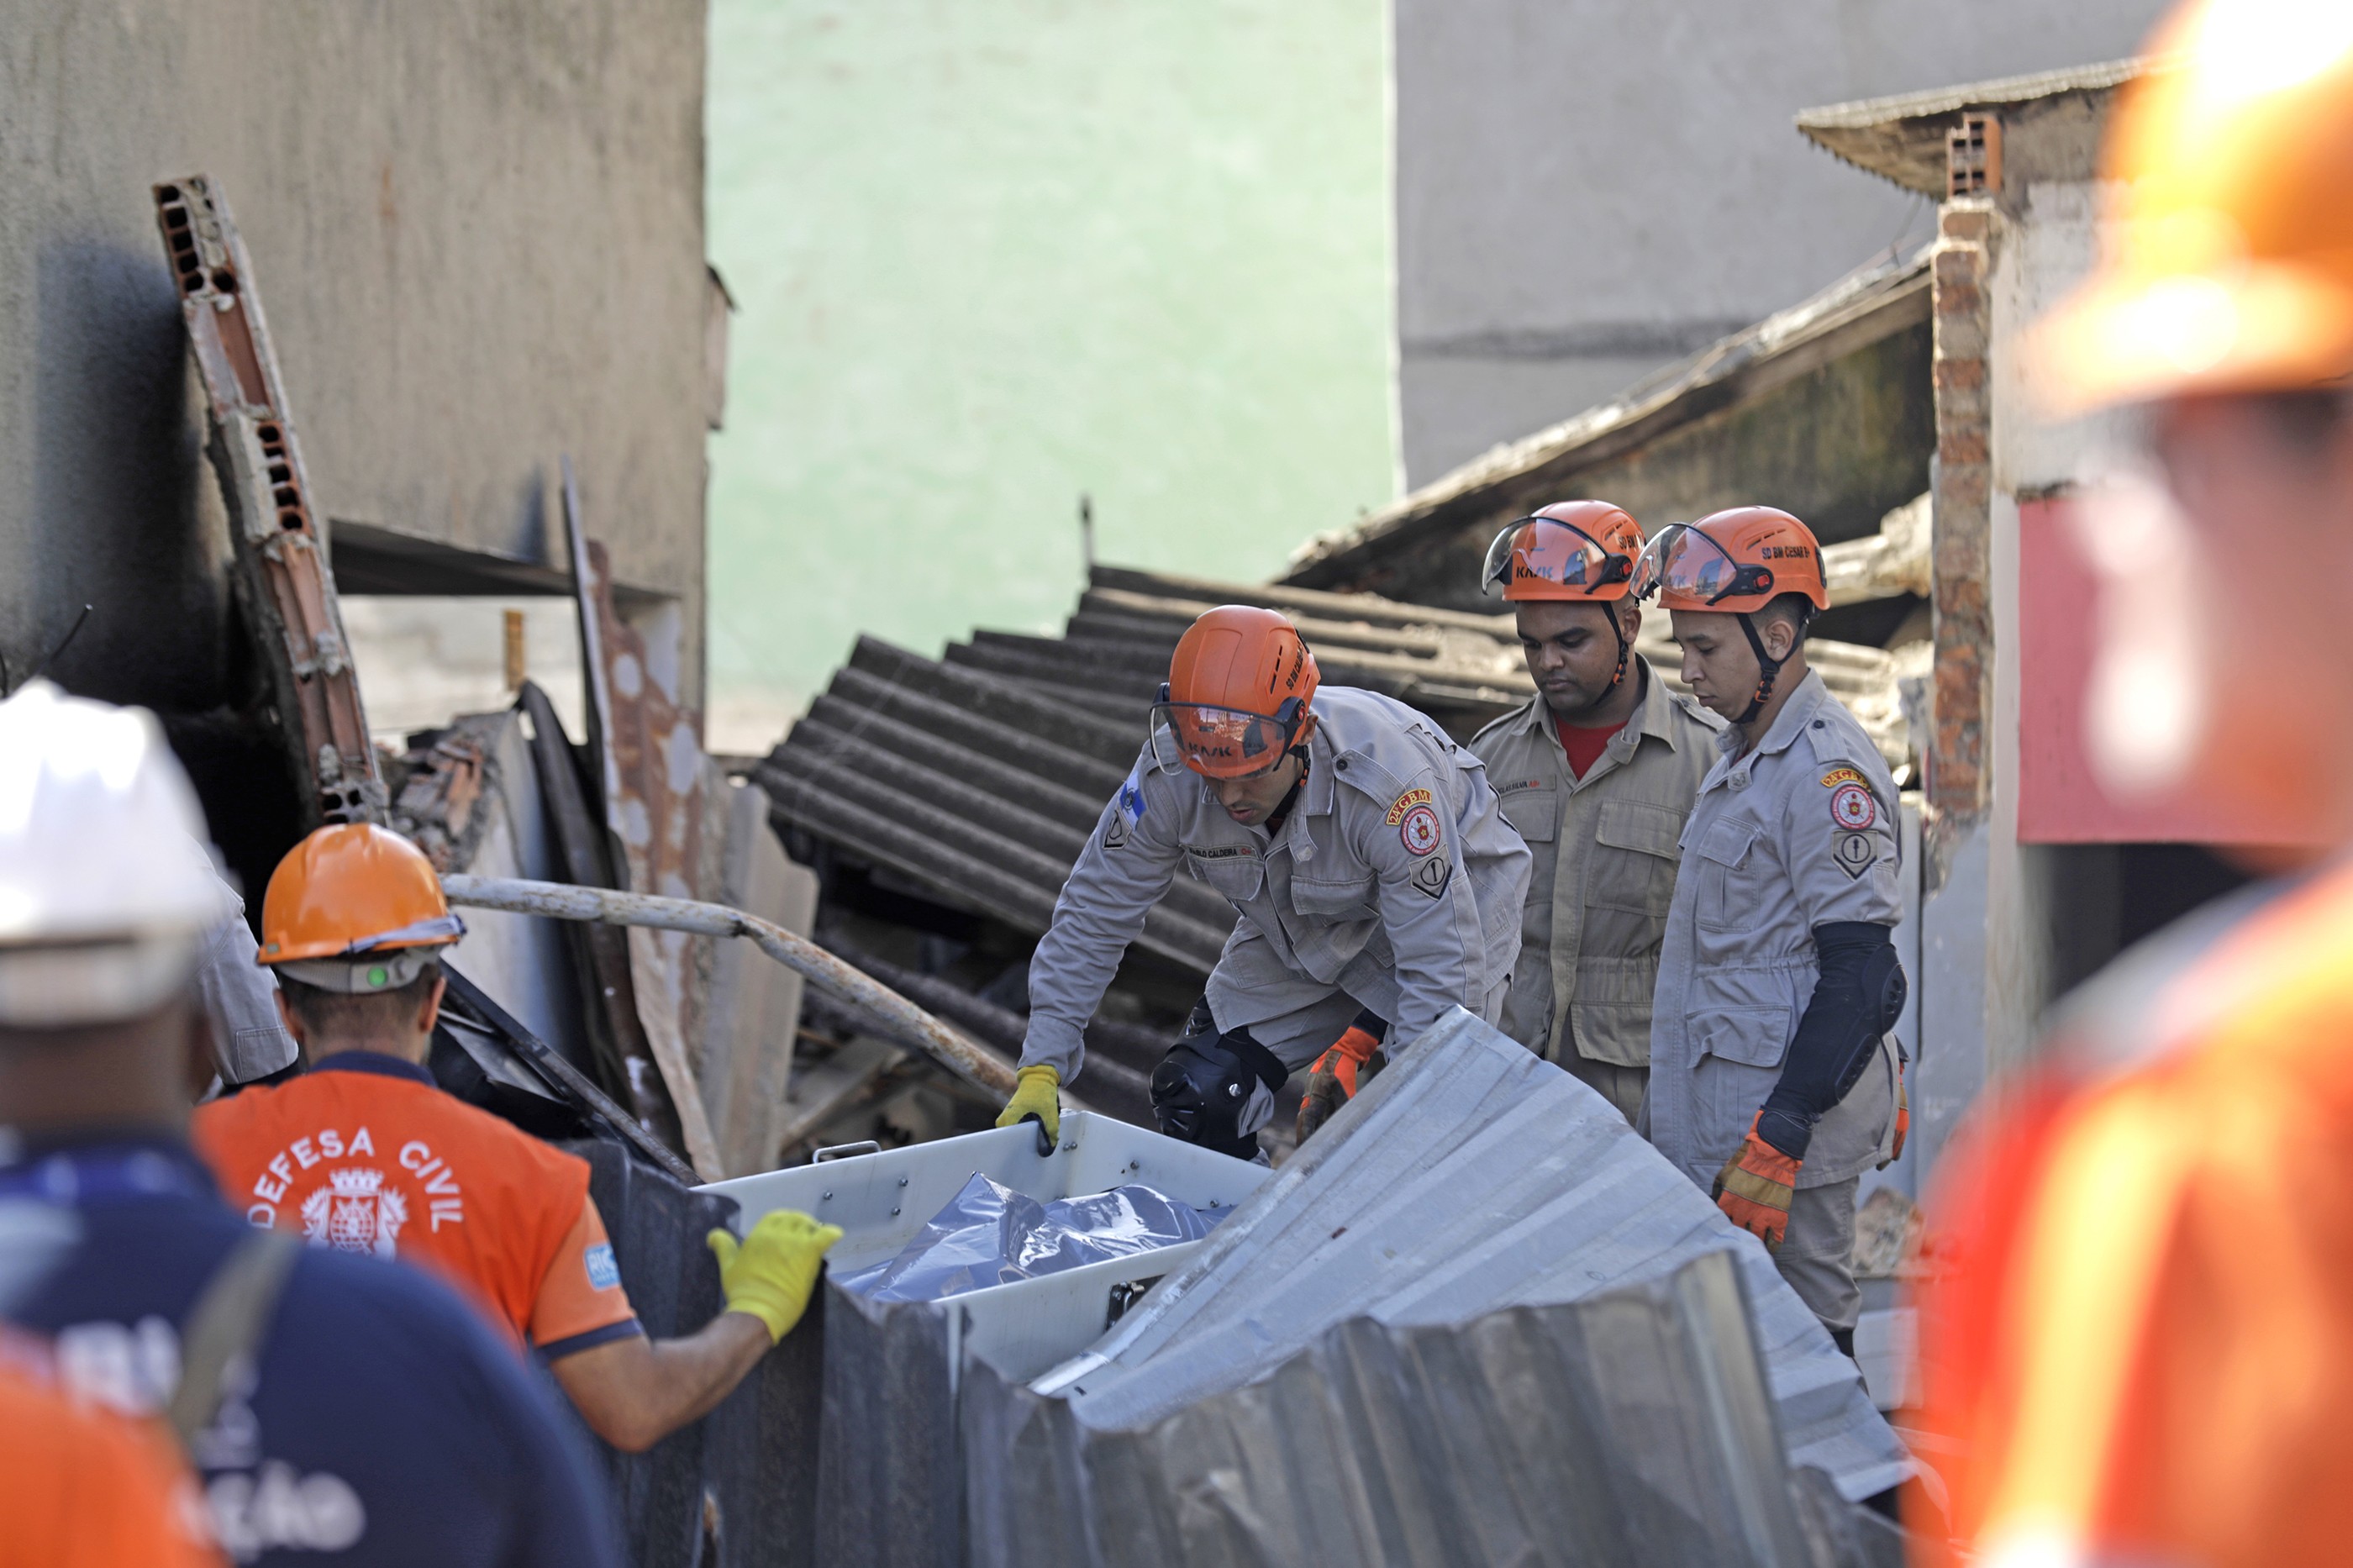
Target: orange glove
[[1352, 1060], [1755, 1185], [1903, 1113]]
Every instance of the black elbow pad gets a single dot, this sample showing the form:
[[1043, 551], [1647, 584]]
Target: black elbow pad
[[1857, 999]]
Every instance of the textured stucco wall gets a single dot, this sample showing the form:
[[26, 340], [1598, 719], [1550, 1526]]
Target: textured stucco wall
[[1587, 189], [476, 227]]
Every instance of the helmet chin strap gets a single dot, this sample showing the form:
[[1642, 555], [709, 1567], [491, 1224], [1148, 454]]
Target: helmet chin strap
[[1769, 670], [1624, 648]]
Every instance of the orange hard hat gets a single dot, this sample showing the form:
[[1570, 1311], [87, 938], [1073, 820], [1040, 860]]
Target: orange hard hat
[[1569, 550], [1737, 561], [352, 889], [1238, 693], [2227, 263]]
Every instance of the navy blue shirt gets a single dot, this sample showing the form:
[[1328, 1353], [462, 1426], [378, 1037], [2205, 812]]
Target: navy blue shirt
[[385, 1423]]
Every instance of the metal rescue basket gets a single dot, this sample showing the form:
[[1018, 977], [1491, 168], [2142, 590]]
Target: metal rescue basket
[[887, 1469]]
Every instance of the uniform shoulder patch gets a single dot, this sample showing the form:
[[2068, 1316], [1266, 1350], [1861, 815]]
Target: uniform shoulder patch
[[1429, 877], [1404, 802], [1838, 777], [604, 1272], [1126, 809], [1853, 808]]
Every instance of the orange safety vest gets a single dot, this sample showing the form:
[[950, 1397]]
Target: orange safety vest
[[2136, 1342], [82, 1486], [364, 1153]]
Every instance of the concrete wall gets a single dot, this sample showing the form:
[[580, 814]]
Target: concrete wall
[[1587, 189], [988, 256], [476, 228]]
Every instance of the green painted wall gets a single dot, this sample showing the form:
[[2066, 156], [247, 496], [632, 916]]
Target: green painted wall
[[987, 256]]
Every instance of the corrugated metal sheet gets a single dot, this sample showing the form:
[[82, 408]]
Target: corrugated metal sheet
[[979, 776], [1476, 1321], [1631, 1428], [1472, 1176]]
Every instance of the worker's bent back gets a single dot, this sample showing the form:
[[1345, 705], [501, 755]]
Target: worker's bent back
[[364, 1154]]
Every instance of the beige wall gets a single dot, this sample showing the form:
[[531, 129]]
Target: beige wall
[[476, 226]]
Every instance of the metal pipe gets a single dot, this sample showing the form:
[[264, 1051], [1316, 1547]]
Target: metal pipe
[[970, 1060]]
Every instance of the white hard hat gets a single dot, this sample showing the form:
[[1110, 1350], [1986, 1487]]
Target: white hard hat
[[106, 890]]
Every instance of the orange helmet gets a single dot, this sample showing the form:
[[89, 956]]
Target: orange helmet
[[2228, 262], [351, 893], [1236, 699], [1734, 562], [1569, 550]]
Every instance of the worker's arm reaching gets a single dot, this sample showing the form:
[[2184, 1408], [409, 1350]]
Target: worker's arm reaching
[[1127, 864], [633, 1390]]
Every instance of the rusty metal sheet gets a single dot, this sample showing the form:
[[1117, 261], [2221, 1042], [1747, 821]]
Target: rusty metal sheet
[[652, 786], [283, 579]]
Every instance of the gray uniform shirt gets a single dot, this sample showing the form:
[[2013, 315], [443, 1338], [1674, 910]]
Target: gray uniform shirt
[[240, 1000], [1395, 878], [1800, 832], [1603, 876]]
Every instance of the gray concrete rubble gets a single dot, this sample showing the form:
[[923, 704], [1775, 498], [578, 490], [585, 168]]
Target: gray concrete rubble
[[1469, 1179]]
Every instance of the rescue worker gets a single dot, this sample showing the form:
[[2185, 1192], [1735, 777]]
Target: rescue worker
[[2140, 1334], [1378, 883], [363, 1153], [83, 1486], [1772, 1081], [337, 1410], [1598, 771]]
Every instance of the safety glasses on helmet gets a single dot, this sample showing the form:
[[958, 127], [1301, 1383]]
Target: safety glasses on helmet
[[1553, 551], [1681, 561], [1222, 742]]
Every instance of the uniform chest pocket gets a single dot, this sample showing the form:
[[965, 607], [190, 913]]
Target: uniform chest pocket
[[1634, 856], [1725, 858], [1234, 870], [1534, 811], [1343, 896]]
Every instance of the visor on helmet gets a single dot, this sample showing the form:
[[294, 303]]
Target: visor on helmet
[[437, 931], [1684, 562], [1550, 550], [1222, 742]]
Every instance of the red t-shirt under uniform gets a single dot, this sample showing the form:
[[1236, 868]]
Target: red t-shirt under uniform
[[366, 1153], [1584, 746]]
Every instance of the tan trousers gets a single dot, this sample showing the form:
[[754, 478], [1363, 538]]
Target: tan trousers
[[1620, 1085], [1817, 1258]]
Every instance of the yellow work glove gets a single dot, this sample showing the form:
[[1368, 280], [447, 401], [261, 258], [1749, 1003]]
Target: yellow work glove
[[1036, 1092], [771, 1272]]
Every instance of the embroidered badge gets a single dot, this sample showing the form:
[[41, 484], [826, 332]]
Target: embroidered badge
[[1838, 777], [1420, 830], [1126, 811], [1429, 877], [604, 1273], [1404, 802], [1853, 808], [1854, 853]]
